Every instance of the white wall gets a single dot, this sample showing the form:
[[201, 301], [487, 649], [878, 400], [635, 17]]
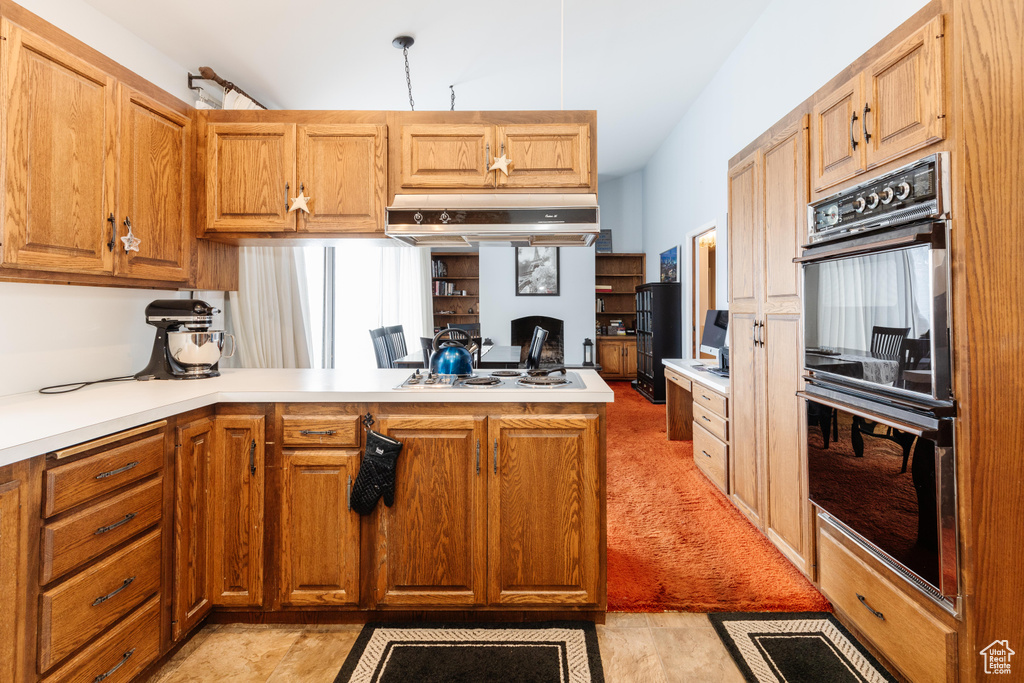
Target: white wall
[[499, 305], [51, 334], [622, 205], [794, 48]]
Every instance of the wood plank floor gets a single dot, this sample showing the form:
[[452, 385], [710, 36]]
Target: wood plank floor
[[667, 647]]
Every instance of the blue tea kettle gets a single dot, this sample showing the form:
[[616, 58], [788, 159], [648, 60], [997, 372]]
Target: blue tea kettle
[[450, 355]]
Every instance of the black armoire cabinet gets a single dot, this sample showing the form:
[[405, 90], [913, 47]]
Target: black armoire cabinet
[[659, 334]]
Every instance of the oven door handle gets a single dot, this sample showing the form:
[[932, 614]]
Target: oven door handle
[[858, 249], [888, 422]]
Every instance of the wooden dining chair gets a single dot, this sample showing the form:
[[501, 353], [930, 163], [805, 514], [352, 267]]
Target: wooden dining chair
[[886, 342], [381, 348], [396, 338]]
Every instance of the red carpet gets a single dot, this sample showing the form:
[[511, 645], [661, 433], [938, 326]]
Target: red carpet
[[674, 541]]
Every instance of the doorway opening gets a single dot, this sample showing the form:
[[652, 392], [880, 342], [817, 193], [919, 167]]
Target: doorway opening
[[704, 276]]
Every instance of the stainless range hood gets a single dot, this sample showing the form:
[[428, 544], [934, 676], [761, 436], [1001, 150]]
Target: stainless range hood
[[521, 220]]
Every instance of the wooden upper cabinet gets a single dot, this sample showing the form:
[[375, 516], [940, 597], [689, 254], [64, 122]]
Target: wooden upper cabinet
[[61, 119], [545, 155], [544, 535], [319, 542], [237, 485], [905, 95], [837, 132], [785, 216], [155, 164], [250, 177], [343, 169], [745, 233], [441, 156], [194, 454], [430, 547]]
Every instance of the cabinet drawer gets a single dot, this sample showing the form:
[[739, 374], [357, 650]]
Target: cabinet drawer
[[710, 421], [84, 535], [119, 654], [921, 646], [677, 379], [79, 482], [84, 605], [710, 455], [712, 401], [309, 430]]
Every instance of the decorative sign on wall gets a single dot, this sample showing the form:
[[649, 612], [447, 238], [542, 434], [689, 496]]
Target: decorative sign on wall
[[537, 271], [604, 242], [670, 265]]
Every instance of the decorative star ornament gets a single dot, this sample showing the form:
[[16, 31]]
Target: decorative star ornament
[[130, 241], [299, 203], [500, 164]]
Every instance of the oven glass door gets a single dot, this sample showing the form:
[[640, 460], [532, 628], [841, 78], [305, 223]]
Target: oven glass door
[[880, 320]]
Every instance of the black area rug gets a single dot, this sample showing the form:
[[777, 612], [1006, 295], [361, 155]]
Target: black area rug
[[542, 652], [796, 647]]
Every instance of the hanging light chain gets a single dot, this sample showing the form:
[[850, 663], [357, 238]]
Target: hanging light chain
[[408, 78]]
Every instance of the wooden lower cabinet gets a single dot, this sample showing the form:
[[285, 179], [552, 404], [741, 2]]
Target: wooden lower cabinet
[[430, 545], [319, 532], [744, 462], [544, 512], [617, 358], [13, 580], [194, 454]]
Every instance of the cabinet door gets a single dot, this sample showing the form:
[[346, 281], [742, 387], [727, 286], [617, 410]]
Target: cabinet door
[[904, 109], [13, 582], [155, 162], [343, 169], [250, 177], [61, 132], [431, 544], [609, 357], [785, 216], [838, 151], [745, 233], [447, 156], [788, 512], [629, 359], [319, 531], [192, 519], [545, 540], [237, 485], [545, 155], [746, 416]]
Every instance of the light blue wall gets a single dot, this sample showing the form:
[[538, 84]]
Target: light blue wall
[[794, 48], [622, 204]]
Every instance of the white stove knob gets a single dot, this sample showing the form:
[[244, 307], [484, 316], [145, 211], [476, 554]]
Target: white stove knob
[[887, 195], [873, 200], [903, 190]]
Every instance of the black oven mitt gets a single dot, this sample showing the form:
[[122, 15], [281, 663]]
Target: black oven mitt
[[377, 473]]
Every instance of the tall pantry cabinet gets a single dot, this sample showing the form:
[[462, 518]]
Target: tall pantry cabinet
[[768, 194]]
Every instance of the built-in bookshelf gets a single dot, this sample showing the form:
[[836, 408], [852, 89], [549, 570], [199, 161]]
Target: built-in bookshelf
[[453, 273], [616, 279]]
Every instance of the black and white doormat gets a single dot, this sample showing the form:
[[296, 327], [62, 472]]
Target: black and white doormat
[[543, 652], [796, 647]]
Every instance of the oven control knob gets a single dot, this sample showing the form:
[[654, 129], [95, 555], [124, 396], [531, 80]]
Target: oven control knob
[[859, 205], [903, 190], [872, 200], [887, 195]]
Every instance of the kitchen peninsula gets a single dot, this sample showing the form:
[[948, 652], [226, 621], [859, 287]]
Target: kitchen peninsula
[[228, 498]]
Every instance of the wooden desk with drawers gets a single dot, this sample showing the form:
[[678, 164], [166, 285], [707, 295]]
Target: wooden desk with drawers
[[697, 408]]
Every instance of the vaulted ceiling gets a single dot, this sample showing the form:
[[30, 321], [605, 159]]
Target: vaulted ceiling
[[640, 64]]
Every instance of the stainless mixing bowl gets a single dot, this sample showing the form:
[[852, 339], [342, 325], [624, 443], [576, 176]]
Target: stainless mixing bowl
[[198, 349]]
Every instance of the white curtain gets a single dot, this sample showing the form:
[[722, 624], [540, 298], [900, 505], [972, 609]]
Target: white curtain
[[405, 292], [269, 314]]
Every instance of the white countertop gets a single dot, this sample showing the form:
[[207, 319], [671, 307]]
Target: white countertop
[[690, 368], [33, 424]]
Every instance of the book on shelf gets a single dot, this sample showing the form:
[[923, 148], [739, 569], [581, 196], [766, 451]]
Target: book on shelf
[[438, 269], [602, 288]]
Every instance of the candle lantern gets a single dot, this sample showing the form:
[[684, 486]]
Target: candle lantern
[[588, 353]]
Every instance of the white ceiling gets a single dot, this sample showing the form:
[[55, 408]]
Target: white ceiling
[[639, 63]]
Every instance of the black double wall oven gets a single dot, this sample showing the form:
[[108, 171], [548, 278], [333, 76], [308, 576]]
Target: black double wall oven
[[877, 362]]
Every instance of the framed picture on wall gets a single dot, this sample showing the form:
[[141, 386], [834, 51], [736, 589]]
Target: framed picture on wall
[[670, 265], [537, 271], [604, 242]]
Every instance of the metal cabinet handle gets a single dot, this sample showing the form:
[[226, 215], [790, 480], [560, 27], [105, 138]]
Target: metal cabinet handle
[[113, 232], [119, 470], [102, 599], [705, 453], [315, 432], [252, 457], [104, 529], [287, 192], [495, 456], [753, 334], [487, 157], [853, 140], [124, 658], [705, 397], [348, 493], [864, 602], [478, 456], [705, 418], [760, 334], [864, 123]]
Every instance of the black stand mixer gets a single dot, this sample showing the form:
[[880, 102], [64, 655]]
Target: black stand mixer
[[185, 347]]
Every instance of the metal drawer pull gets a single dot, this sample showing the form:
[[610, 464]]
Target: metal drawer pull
[[252, 457], [705, 418], [706, 398], [103, 599], [124, 658], [705, 453], [104, 529], [864, 602], [119, 470], [314, 432], [495, 456]]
